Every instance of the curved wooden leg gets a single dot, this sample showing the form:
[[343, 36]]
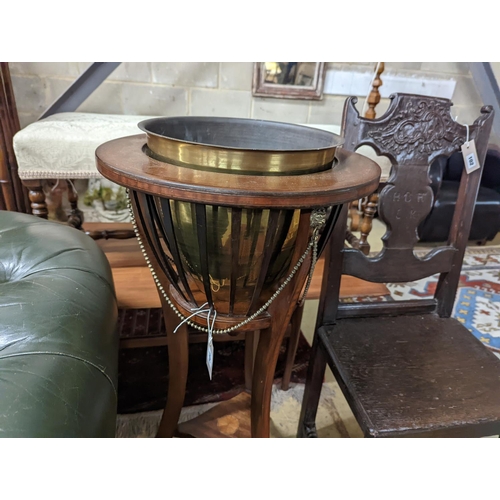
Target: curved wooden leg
[[265, 365], [263, 377], [291, 349], [178, 362], [312, 391], [281, 311], [37, 198]]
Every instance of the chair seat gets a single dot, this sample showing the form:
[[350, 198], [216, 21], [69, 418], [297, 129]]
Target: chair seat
[[415, 374]]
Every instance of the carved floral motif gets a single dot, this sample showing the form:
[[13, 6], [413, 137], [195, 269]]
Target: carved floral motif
[[418, 129]]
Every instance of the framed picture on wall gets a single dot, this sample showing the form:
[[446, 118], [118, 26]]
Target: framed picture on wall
[[289, 80]]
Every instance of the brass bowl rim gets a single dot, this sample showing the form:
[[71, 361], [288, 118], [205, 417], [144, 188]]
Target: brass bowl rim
[[339, 141], [123, 161]]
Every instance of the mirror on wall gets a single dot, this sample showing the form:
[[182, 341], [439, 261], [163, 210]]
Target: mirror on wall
[[289, 80]]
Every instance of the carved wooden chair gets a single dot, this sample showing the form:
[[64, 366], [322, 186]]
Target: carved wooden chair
[[405, 367]]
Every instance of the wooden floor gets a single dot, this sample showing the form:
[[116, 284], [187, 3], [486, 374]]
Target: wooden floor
[[135, 287], [229, 419]]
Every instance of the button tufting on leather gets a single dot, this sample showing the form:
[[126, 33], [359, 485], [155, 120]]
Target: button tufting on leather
[[58, 339]]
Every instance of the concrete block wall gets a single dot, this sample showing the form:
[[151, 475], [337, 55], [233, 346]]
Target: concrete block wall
[[214, 88]]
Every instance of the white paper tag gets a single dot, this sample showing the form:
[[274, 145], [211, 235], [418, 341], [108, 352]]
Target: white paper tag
[[470, 156], [210, 354]]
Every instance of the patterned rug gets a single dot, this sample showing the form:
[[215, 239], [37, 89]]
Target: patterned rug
[[477, 304]]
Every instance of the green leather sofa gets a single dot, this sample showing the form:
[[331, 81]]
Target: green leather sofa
[[58, 338]]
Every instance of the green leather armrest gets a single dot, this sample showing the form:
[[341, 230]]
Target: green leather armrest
[[58, 339]]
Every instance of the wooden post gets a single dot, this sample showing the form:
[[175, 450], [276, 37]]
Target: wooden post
[[366, 224], [13, 195], [363, 221], [374, 97]]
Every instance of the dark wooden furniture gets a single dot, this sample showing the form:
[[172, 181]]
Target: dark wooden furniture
[[124, 161], [406, 367], [13, 195], [445, 183]]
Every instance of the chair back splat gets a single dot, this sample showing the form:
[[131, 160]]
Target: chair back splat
[[414, 132]]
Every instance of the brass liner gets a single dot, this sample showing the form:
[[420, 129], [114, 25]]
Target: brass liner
[[282, 156], [252, 234]]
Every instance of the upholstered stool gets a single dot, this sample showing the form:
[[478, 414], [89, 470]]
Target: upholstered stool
[[58, 339], [62, 147]]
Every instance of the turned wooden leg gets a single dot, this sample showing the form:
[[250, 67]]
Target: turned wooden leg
[[37, 198], [366, 224], [75, 218], [355, 213], [351, 239], [374, 96], [178, 362], [312, 391], [356, 209], [293, 343]]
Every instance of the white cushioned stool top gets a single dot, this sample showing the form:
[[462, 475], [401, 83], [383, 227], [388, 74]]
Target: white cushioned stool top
[[63, 145]]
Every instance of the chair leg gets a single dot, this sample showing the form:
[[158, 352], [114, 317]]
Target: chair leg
[[291, 349], [37, 198], [178, 361], [312, 390]]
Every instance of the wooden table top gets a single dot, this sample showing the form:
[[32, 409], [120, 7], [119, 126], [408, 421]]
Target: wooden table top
[[123, 161]]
